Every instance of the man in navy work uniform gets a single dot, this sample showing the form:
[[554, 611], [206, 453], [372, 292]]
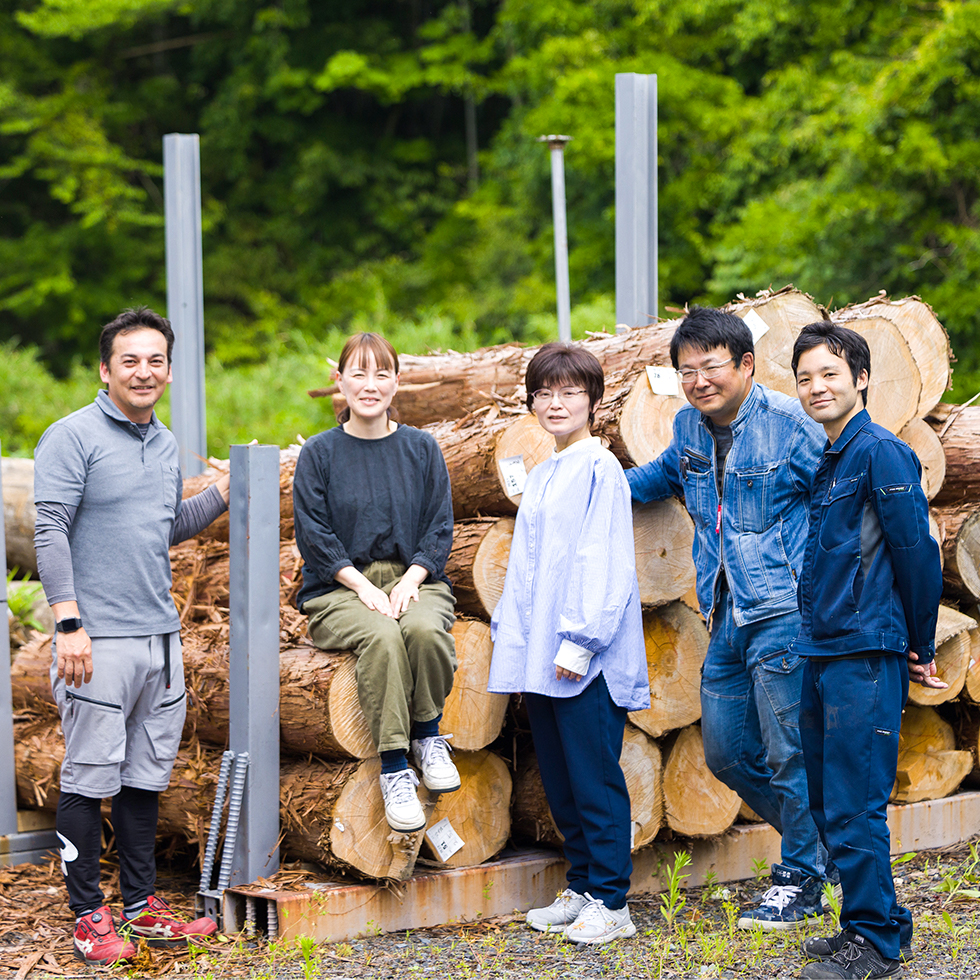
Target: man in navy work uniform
[[107, 486], [869, 598], [742, 459]]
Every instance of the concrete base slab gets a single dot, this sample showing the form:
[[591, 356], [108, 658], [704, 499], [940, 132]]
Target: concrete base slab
[[28, 846], [335, 911]]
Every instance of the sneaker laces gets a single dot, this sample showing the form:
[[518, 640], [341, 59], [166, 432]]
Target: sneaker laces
[[434, 751], [779, 896], [400, 787], [564, 899], [593, 910]]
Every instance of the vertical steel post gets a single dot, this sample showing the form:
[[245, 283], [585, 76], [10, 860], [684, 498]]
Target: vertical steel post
[[557, 146], [254, 671], [8, 773], [185, 296], [636, 199]]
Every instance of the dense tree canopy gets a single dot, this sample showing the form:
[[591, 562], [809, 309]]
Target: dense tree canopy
[[363, 161]]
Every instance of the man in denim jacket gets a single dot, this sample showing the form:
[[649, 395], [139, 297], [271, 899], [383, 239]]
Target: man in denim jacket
[[742, 459], [869, 598]]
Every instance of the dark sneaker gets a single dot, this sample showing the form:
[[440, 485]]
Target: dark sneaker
[[793, 898], [824, 947], [160, 925], [96, 939], [857, 959]]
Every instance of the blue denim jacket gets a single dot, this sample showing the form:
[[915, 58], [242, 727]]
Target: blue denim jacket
[[871, 573], [766, 498]]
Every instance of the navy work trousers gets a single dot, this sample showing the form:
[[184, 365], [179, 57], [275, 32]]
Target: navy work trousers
[[850, 715], [578, 741]]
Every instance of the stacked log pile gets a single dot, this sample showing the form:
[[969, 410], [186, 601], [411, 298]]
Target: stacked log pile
[[330, 803]]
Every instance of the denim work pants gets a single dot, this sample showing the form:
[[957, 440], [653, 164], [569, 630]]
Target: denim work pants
[[578, 741], [750, 698], [405, 666], [850, 715]]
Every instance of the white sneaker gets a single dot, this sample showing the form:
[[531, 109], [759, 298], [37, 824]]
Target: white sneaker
[[432, 755], [402, 808], [562, 912], [596, 924]]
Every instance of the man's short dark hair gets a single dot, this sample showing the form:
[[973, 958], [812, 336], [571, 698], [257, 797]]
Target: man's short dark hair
[[138, 318], [841, 342], [705, 328], [558, 364]]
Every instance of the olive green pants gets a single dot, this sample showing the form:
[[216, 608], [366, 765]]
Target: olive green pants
[[405, 666]]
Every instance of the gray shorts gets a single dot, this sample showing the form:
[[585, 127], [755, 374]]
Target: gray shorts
[[123, 727]]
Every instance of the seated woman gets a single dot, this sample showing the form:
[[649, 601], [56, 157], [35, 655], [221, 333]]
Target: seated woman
[[568, 632], [374, 523]]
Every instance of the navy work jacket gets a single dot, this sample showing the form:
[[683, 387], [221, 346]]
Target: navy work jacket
[[871, 578]]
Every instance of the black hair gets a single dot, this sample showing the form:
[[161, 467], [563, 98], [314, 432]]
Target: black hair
[[841, 342], [705, 328], [560, 363], [138, 318]]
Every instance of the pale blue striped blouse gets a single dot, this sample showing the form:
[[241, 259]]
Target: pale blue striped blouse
[[571, 576]]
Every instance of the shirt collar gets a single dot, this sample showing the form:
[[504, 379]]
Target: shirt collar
[[744, 410], [589, 443], [852, 428], [114, 412]]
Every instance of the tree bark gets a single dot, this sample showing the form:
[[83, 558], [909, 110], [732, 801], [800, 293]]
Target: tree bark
[[965, 719], [676, 641], [929, 765], [479, 811], [959, 529], [958, 428], [475, 448], [477, 564], [696, 804]]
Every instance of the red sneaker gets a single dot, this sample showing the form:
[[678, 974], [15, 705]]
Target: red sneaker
[[96, 939], [158, 924]]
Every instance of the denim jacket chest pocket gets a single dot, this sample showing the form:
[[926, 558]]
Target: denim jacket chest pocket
[[840, 516], [754, 495], [698, 478]]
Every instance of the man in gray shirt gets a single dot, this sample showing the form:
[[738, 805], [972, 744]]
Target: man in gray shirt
[[108, 489]]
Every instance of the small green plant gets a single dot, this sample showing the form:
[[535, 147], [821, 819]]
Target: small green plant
[[672, 901], [21, 596], [833, 903], [307, 946], [760, 868]]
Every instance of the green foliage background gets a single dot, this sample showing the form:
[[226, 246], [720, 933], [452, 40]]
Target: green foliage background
[[831, 143]]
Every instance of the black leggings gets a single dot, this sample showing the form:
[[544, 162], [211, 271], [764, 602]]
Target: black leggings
[[79, 825]]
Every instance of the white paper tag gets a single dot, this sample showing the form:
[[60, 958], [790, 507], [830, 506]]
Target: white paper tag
[[444, 839], [757, 325], [514, 474], [663, 380]]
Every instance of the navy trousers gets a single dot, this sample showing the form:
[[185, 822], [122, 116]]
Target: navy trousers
[[850, 715], [578, 741]]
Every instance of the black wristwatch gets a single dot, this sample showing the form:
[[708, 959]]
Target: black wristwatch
[[70, 625]]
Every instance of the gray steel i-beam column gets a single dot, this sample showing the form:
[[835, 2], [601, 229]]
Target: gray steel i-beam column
[[254, 669], [636, 199], [8, 773], [185, 296]]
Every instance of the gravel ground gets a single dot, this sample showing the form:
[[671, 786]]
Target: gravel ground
[[941, 888]]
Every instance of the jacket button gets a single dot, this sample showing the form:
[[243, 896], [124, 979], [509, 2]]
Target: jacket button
[[749, 484]]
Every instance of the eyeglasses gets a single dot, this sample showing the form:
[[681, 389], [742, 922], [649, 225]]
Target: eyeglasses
[[564, 394], [708, 372]]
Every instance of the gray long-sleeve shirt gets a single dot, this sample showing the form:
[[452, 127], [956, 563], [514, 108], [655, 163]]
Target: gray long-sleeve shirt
[[109, 507]]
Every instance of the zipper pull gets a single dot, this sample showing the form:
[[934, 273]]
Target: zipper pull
[[718, 522]]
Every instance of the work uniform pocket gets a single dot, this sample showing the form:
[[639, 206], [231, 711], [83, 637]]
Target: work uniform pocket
[[95, 731], [164, 727]]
